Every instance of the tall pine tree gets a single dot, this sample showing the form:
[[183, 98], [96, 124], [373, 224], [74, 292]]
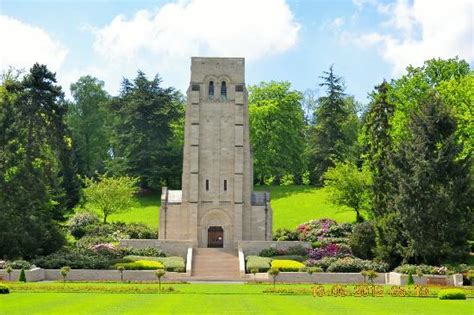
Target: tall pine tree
[[38, 184], [328, 139]]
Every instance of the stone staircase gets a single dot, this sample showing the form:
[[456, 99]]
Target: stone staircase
[[215, 264]]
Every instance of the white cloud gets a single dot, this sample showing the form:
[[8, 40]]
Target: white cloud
[[424, 29], [336, 23], [253, 29], [164, 39], [24, 44]]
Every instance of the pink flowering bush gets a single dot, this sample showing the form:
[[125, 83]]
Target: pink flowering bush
[[324, 230], [330, 250], [104, 249]]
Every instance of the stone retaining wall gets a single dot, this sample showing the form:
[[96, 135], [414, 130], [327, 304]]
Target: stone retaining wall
[[319, 277], [170, 247], [255, 247], [395, 278]]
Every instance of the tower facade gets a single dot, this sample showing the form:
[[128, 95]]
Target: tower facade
[[216, 206]]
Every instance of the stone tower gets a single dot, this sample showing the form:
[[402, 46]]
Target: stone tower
[[216, 207]]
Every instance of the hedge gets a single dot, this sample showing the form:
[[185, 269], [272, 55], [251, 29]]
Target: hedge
[[452, 294], [141, 265], [257, 262], [291, 257], [287, 265], [172, 263]]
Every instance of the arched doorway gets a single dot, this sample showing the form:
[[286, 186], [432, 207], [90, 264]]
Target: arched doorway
[[215, 237]]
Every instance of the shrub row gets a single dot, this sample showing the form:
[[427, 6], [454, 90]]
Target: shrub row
[[141, 265], [347, 264], [452, 294], [286, 265], [423, 269], [172, 263], [262, 264], [297, 250]]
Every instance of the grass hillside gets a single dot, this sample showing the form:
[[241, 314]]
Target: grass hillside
[[292, 205]]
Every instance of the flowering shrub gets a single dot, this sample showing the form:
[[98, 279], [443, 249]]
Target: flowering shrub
[[329, 250], [423, 269], [349, 264], [319, 230], [78, 223], [104, 249], [322, 263]]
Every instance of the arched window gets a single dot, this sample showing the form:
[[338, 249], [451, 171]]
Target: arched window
[[211, 89], [223, 90]]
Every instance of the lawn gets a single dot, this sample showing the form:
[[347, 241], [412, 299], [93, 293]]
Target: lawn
[[215, 299], [292, 205]]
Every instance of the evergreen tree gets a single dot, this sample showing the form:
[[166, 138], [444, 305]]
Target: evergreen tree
[[433, 192], [37, 183], [145, 119], [328, 140], [378, 145]]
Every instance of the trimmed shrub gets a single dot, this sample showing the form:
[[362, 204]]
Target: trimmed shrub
[[311, 270], [362, 240], [283, 234], [322, 263], [147, 251], [349, 264], [286, 265], [297, 250], [410, 280], [262, 264], [76, 259], [172, 263], [270, 252], [141, 265], [291, 257], [20, 264], [77, 224], [451, 294], [4, 289], [22, 277]]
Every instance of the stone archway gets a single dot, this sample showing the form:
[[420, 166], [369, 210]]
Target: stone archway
[[215, 223]]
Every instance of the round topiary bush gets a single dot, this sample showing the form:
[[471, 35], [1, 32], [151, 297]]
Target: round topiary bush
[[4, 289], [452, 294]]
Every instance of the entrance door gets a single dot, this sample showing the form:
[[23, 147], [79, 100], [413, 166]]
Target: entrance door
[[215, 237]]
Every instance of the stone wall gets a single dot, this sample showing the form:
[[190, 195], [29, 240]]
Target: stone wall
[[320, 277], [170, 247], [395, 278], [255, 247], [35, 274]]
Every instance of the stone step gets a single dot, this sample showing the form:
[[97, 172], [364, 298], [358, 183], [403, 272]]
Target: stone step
[[215, 264]]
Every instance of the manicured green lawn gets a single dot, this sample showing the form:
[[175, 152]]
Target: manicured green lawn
[[292, 205], [217, 299]]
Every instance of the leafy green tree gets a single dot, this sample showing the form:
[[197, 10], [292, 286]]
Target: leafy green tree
[[433, 193], [276, 130], [38, 177], [417, 84], [86, 118], [145, 119], [110, 194], [348, 186], [329, 140]]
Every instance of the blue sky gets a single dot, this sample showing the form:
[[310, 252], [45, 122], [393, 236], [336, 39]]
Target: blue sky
[[294, 40]]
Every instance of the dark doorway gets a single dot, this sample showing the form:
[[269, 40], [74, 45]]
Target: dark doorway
[[215, 237]]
